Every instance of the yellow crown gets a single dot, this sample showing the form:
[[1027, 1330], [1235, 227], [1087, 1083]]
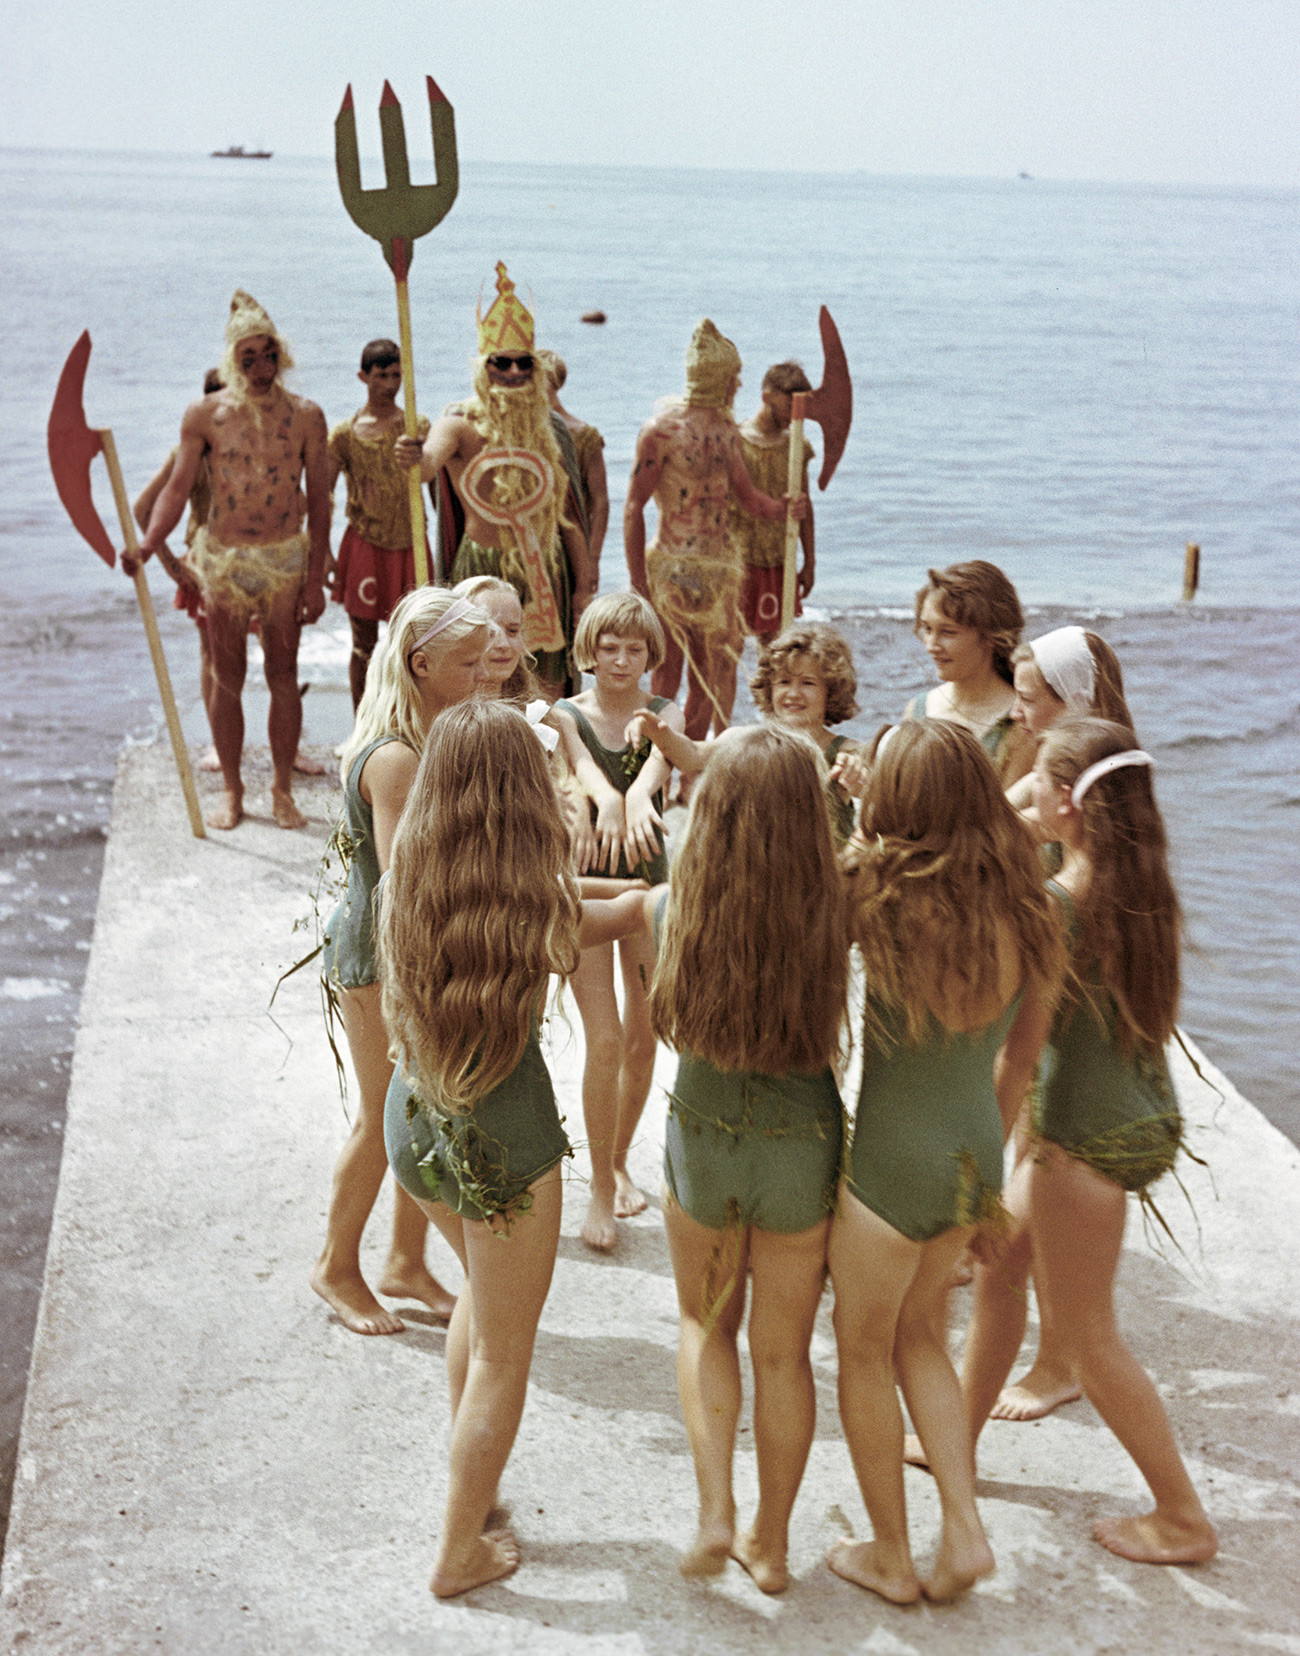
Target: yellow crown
[[508, 325]]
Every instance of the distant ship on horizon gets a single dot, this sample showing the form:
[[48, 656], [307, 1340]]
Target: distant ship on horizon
[[237, 152]]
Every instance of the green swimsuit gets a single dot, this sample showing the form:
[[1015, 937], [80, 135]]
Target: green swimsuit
[[1116, 1111], [348, 959], [992, 739], [622, 766], [481, 1163], [927, 1141], [742, 1148]]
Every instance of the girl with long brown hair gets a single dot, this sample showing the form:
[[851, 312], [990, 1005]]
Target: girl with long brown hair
[[1067, 672], [750, 990], [429, 660], [1105, 1115], [481, 908], [947, 906], [969, 621]]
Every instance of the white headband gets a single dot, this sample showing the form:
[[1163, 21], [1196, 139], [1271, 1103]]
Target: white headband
[[886, 737], [1065, 661], [454, 612], [1103, 767]]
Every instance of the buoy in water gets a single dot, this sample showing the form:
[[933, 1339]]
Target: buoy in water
[[592, 316]]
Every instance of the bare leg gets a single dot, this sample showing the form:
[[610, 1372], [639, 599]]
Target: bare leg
[[998, 1311], [508, 1277], [699, 712], [872, 1267], [365, 635], [666, 680], [1077, 1221], [593, 989], [207, 685], [284, 724], [708, 1373], [636, 1066], [787, 1272], [934, 1402], [358, 1175], [228, 646], [405, 1274]]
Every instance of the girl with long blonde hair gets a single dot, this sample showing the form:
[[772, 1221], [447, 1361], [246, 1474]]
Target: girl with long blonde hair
[[429, 660], [750, 989], [947, 906], [481, 908], [1106, 1120]]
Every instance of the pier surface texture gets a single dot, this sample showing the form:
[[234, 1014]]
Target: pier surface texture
[[211, 1463]]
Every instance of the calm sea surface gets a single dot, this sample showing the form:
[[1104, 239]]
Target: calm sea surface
[[1070, 380]]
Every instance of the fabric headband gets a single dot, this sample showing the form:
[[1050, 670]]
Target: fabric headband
[[1103, 767], [454, 612], [1065, 661]]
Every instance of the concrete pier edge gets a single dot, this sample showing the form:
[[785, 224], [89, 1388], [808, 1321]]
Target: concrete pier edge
[[210, 1462]]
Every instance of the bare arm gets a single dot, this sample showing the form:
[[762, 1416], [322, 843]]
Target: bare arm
[[441, 445], [316, 483], [677, 748], [605, 920], [807, 539], [584, 580], [592, 851], [1017, 1063], [173, 497], [386, 779], [597, 487], [646, 470], [149, 494]]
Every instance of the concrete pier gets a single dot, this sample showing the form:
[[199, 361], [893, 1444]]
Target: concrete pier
[[210, 1463]]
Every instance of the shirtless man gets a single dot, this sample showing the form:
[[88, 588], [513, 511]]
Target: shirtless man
[[251, 556], [688, 458], [760, 544], [541, 554]]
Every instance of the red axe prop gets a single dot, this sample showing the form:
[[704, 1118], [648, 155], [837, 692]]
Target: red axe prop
[[831, 405], [73, 445]]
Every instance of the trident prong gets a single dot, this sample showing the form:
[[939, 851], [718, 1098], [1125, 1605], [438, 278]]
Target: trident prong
[[401, 211]]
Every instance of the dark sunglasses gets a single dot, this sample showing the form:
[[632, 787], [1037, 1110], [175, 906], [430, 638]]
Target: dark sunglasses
[[504, 364]]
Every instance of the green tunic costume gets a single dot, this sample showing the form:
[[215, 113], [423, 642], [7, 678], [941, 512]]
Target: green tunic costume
[[991, 741], [481, 1163], [927, 1140], [348, 960], [743, 1148], [621, 767], [1114, 1110]]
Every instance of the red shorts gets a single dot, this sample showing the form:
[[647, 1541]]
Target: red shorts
[[760, 599], [368, 581]]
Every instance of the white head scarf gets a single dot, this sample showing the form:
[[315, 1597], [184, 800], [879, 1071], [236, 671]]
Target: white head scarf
[[1065, 661]]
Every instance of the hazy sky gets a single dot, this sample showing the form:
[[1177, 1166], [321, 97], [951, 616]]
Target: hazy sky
[[1195, 91]]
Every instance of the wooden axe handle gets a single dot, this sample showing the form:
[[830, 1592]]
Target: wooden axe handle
[[793, 486], [179, 751]]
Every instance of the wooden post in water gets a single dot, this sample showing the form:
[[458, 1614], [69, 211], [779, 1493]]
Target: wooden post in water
[[1191, 571]]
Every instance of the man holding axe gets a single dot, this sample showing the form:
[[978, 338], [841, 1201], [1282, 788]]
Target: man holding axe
[[264, 448]]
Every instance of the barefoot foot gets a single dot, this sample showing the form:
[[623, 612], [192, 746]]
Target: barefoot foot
[[860, 1562], [229, 814], [489, 1557], [1155, 1539], [598, 1229], [285, 812], [1035, 1396], [353, 1304], [628, 1200], [767, 1569], [957, 1569], [209, 761], [416, 1283], [913, 1454], [711, 1549], [305, 765]]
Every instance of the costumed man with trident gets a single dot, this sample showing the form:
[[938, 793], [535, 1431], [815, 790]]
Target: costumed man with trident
[[688, 459], [252, 557], [505, 471]]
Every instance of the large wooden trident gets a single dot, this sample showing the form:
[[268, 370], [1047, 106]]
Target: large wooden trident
[[396, 216]]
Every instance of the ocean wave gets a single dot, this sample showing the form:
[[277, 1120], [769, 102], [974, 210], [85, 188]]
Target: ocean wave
[[1205, 739]]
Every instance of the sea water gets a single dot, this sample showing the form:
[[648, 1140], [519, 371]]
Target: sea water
[[1072, 380]]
